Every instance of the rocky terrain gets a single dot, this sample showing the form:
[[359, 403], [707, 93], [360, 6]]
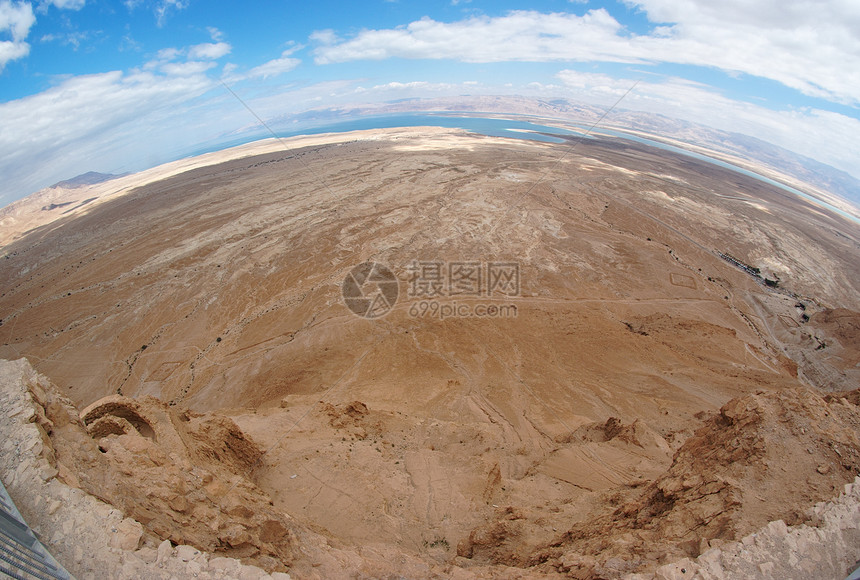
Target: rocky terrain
[[647, 397], [94, 539]]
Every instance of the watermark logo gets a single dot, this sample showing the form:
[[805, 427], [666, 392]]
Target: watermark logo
[[429, 280], [437, 289], [370, 290], [452, 309]]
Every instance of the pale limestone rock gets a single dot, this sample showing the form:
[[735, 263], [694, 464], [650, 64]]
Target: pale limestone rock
[[193, 569], [165, 551], [187, 553], [53, 506], [148, 555], [228, 566], [251, 573], [127, 536]]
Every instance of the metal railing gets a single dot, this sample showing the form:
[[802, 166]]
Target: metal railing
[[22, 555]]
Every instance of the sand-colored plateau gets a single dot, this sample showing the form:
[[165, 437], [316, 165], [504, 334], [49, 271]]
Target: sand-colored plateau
[[642, 399]]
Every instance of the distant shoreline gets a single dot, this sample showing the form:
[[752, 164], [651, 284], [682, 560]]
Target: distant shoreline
[[29, 213]]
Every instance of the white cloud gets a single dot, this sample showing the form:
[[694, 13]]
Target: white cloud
[[519, 36], [209, 50], [114, 120], [163, 57], [168, 54], [105, 119], [10, 51], [66, 4], [827, 136], [597, 84], [73, 39], [129, 43], [326, 36], [186, 69], [15, 20], [400, 86], [813, 47], [275, 67], [216, 34], [160, 8], [269, 69], [165, 7], [197, 59]]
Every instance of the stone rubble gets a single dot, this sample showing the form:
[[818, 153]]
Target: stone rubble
[[93, 540], [828, 549], [89, 537]]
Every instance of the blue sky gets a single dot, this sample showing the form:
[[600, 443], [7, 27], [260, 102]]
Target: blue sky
[[121, 86]]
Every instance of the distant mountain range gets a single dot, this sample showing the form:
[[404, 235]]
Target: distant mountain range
[[88, 178]]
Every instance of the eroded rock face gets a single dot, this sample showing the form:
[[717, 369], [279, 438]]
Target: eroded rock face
[[182, 475], [758, 460], [755, 461]]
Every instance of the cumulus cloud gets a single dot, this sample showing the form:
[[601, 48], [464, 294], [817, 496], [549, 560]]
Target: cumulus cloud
[[813, 47], [596, 83], [10, 51], [519, 36], [209, 50], [16, 19], [169, 53]]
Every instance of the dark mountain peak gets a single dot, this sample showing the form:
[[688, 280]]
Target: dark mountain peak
[[88, 178]]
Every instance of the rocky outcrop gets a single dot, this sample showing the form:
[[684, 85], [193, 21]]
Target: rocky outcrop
[[95, 539], [762, 454], [761, 459], [826, 548], [184, 476], [91, 538]]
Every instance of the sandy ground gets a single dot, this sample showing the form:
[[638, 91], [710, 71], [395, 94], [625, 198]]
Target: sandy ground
[[480, 441]]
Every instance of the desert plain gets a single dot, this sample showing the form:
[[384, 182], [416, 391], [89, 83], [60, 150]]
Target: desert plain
[[673, 367]]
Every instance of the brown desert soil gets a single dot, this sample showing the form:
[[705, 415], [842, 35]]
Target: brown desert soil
[[650, 400]]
